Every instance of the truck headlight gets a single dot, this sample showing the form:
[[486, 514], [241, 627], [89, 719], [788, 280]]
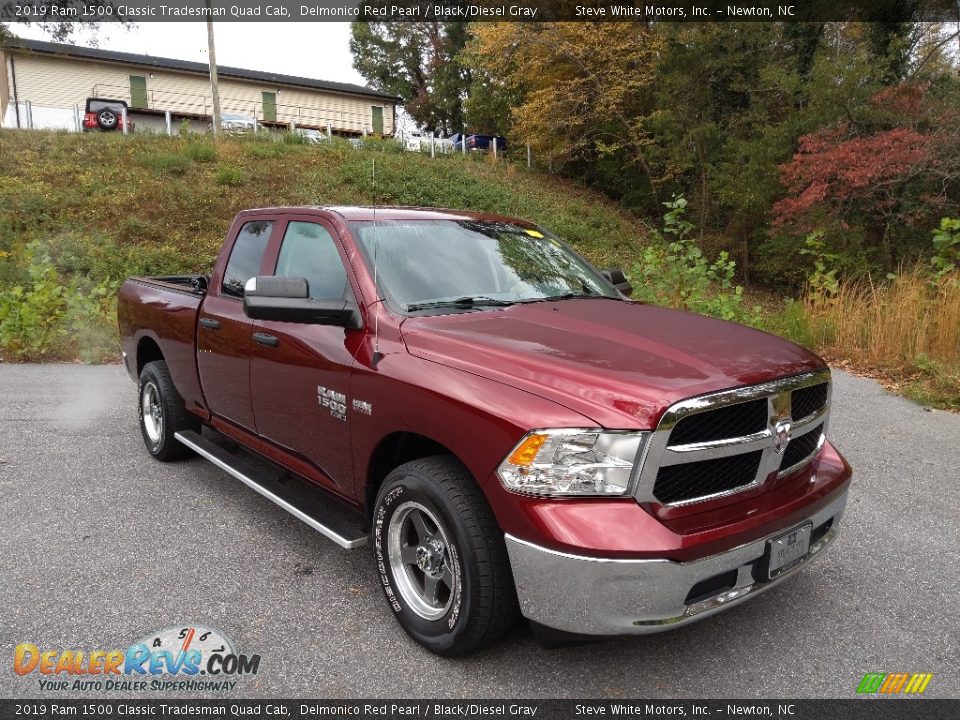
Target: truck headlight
[[572, 462]]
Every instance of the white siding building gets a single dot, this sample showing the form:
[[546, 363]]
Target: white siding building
[[55, 78]]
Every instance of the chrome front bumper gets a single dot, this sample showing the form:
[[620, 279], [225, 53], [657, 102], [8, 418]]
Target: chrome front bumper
[[605, 596]]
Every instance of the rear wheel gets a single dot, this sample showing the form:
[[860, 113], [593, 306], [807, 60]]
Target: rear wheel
[[441, 557], [162, 413]]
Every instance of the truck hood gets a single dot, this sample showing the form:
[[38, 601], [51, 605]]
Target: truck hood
[[619, 363]]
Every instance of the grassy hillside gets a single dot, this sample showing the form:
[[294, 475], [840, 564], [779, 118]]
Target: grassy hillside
[[109, 205], [78, 213]]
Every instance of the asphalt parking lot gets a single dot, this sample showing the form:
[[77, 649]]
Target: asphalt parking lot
[[100, 545]]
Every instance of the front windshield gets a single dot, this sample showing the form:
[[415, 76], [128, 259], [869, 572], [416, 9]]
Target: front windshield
[[435, 262]]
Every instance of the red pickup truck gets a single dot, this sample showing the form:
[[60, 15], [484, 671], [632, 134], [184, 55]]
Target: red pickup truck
[[507, 430]]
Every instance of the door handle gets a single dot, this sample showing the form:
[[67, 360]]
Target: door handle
[[266, 340], [210, 323]]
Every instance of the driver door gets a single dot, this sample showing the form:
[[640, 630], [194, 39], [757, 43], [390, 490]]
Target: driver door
[[299, 372]]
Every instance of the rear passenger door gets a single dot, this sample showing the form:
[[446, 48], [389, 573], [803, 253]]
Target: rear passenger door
[[300, 373], [223, 329]]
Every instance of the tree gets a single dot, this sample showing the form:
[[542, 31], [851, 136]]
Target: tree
[[581, 89], [894, 165], [419, 62], [63, 30]]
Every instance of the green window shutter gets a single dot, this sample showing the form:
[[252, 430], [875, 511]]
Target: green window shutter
[[138, 92], [269, 107], [377, 120]]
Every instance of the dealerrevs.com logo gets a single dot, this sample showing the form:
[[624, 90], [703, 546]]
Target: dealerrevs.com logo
[[186, 658]]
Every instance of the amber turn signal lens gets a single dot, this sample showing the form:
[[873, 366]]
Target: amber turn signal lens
[[527, 450]]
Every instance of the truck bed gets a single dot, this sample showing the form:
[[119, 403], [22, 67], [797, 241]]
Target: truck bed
[[162, 312]]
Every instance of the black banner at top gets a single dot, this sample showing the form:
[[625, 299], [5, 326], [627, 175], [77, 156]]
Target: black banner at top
[[646, 11], [50, 708]]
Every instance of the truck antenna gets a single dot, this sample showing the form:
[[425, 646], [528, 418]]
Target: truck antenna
[[377, 355]]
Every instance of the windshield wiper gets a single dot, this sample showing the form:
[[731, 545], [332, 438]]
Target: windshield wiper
[[464, 302], [568, 296]]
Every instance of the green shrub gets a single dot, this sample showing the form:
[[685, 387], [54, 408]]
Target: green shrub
[[675, 272], [822, 283], [31, 314], [52, 317], [230, 176], [266, 149], [795, 323], [165, 162], [91, 321], [946, 247], [201, 151], [935, 383]]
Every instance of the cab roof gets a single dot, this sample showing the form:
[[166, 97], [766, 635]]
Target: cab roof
[[359, 213]]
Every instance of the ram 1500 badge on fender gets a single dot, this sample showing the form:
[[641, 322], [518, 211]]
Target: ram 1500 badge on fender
[[493, 417]]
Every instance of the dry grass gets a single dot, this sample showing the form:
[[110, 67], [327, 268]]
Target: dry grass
[[891, 324], [907, 329]]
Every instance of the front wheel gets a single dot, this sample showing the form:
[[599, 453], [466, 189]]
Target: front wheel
[[441, 558]]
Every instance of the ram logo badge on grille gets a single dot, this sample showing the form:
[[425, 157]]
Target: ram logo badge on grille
[[781, 436]]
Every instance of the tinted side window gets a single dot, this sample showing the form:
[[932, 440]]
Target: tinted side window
[[246, 255], [310, 252]]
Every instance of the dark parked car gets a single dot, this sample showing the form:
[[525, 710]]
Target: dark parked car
[[102, 114], [478, 142]]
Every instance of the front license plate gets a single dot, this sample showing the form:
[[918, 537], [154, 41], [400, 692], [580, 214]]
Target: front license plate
[[788, 550]]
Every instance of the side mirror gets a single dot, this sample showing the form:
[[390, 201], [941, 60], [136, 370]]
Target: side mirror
[[618, 280], [287, 299]]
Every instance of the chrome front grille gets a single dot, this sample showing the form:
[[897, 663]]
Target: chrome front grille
[[730, 441], [677, 483]]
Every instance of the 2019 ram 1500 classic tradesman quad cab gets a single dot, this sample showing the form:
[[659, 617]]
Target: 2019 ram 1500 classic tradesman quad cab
[[506, 429]]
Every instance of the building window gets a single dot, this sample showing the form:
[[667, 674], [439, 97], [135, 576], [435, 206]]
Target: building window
[[377, 120]]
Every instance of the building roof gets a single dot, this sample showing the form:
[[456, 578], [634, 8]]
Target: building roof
[[75, 51]]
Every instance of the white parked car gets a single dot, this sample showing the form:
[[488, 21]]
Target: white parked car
[[235, 123], [414, 140], [314, 137]]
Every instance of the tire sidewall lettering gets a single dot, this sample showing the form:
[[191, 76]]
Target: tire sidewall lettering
[[447, 623], [454, 613], [379, 543]]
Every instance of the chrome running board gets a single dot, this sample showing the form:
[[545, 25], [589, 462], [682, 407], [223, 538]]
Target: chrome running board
[[339, 525]]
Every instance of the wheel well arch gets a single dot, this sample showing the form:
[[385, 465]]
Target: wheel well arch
[[394, 450], [147, 351]]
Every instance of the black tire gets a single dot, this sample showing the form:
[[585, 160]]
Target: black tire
[[168, 415], [107, 119], [481, 605]]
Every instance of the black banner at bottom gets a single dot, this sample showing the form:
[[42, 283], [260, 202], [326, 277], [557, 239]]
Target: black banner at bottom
[[853, 709]]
